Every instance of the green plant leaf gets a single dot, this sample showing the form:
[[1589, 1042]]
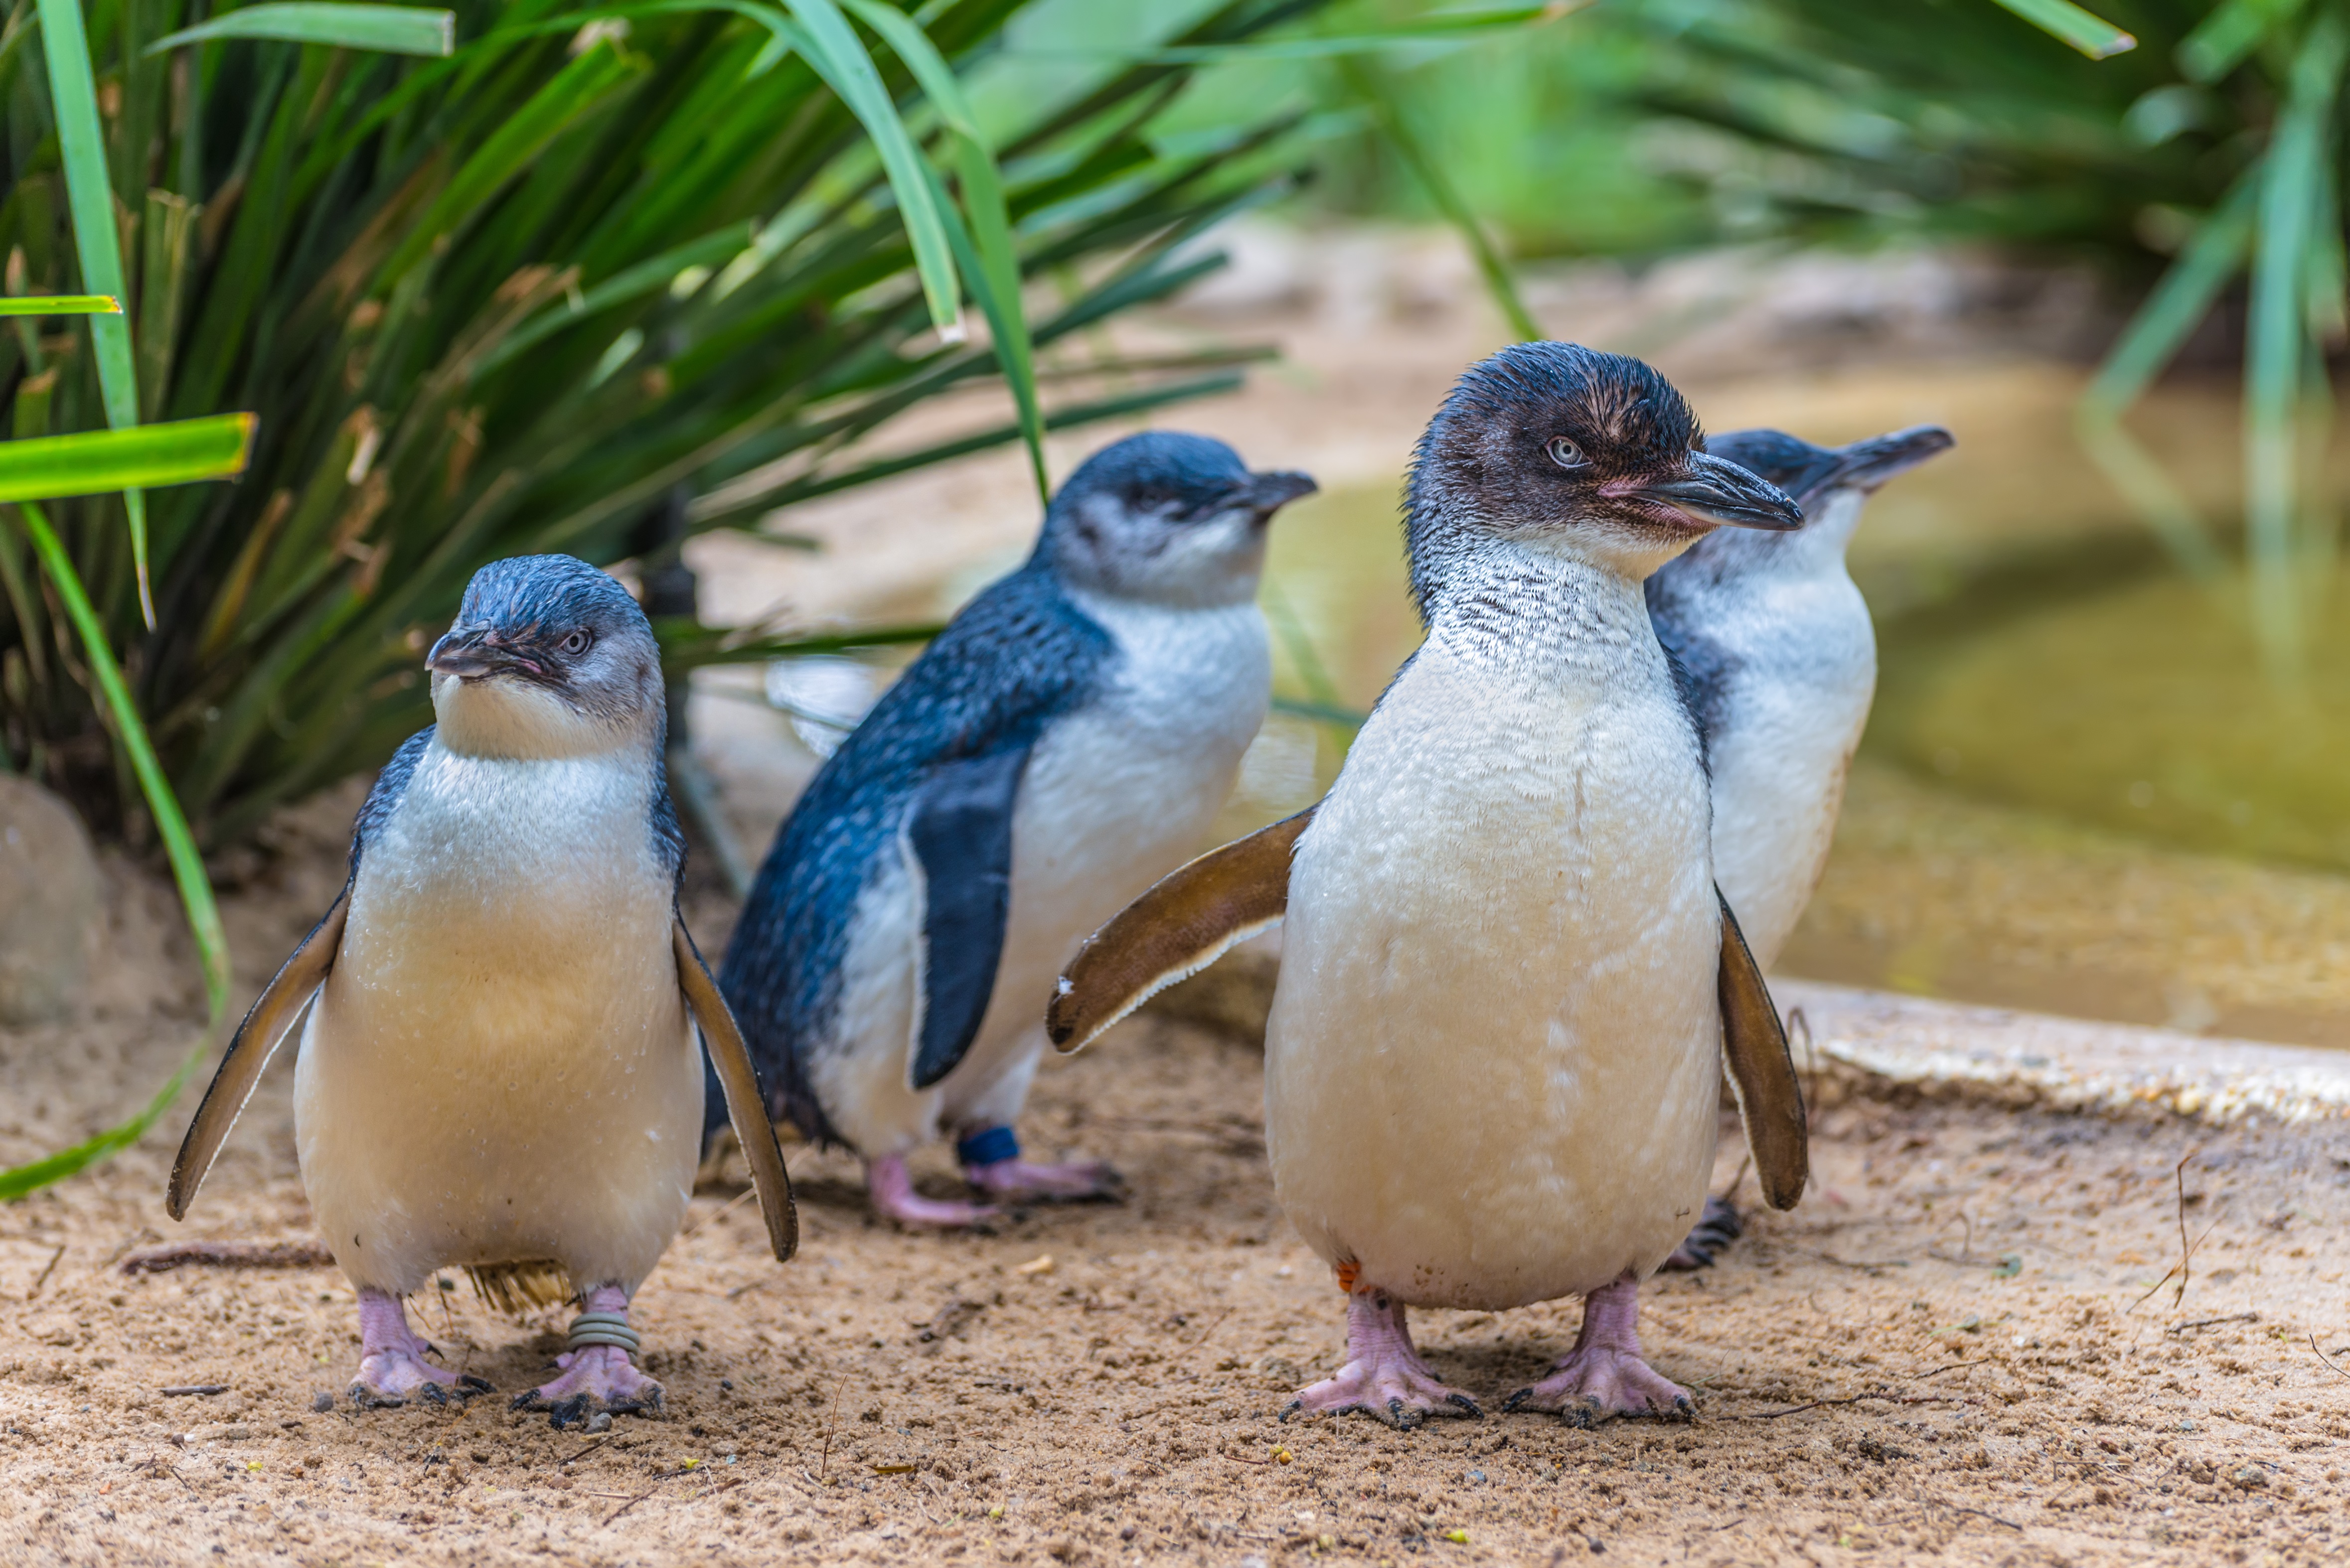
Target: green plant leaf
[[996, 277], [836, 54], [2178, 303], [59, 305], [97, 461], [1465, 26], [2093, 35], [180, 846], [89, 194], [387, 29], [1397, 127], [2276, 340], [2234, 30]]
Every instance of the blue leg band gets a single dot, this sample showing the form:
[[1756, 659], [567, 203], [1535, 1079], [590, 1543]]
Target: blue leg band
[[989, 1147]]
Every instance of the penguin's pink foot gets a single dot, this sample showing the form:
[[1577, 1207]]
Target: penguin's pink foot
[[1715, 1230], [1087, 1181], [392, 1368], [891, 1188], [1384, 1376], [992, 1163], [598, 1381], [1604, 1376]]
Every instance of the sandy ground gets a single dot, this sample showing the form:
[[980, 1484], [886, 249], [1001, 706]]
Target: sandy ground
[[1954, 1349]]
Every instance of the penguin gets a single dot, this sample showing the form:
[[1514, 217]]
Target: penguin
[[1068, 739], [1777, 661], [1508, 981], [499, 1069]]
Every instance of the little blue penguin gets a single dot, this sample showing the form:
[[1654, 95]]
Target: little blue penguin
[[500, 1071], [1778, 661], [1507, 981], [1066, 740]]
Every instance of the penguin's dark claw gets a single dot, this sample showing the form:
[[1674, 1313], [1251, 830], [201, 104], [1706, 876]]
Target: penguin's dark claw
[[469, 1383], [1469, 1406], [363, 1397], [1716, 1228]]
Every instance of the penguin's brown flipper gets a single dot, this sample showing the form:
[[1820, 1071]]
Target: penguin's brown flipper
[[1762, 1071], [746, 1106], [1191, 918], [296, 981]]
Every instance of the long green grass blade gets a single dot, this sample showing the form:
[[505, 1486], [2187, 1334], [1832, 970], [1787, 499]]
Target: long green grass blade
[[179, 845], [2234, 30], [1434, 179], [89, 195], [2276, 340], [2178, 303], [1466, 25], [996, 278], [837, 55], [387, 29], [96, 462], [59, 305], [2093, 35]]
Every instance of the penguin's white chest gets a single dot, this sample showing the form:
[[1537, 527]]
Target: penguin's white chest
[[500, 1067], [1114, 797], [1803, 672], [1492, 1059]]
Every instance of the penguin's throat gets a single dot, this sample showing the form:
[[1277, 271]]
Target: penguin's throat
[[511, 719], [1515, 602]]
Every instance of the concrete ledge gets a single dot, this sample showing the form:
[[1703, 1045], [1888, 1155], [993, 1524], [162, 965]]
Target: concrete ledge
[[2062, 1063]]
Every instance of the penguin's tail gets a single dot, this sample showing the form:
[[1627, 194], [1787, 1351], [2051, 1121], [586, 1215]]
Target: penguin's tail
[[519, 1289]]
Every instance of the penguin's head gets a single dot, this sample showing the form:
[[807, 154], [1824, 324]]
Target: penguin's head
[[1556, 449], [1831, 484], [1167, 517], [548, 658]]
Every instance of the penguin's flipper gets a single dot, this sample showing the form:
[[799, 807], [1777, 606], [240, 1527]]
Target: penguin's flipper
[[746, 1106], [1191, 918], [257, 1039], [961, 834], [1762, 1071]]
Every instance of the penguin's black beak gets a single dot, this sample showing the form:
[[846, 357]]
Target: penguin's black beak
[[1717, 489], [1266, 493], [1869, 463], [470, 653]]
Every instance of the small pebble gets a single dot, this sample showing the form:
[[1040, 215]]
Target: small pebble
[[1476, 1478], [602, 1421], [2250, 1477], [322, 1401]]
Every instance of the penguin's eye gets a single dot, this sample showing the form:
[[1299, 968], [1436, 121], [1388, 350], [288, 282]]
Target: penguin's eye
[[1565, 453], [572, 646]]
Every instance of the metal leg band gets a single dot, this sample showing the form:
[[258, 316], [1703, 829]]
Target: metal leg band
[[604, 1328]]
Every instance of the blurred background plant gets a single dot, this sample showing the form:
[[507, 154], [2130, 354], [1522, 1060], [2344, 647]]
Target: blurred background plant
[[2188, 149], [597, 280]]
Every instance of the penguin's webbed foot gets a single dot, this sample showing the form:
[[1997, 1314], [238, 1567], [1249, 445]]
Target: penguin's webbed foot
[[1082, 1182], [597, 1382], [392, 1368], [891, 1188], [1604, 1374], [1593, 1386], [1384, 1377], [1716, 1228]]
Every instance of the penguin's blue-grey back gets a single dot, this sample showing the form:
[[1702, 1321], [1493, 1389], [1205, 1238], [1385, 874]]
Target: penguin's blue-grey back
[[1019, 656]]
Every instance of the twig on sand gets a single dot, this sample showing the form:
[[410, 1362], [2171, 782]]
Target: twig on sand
[[723, 1210], [2186, 1250], [624, 1507], [1953, 1366], [1979, 1513], [207, 1389], [1195, 1344], [832, 1419], [1857, 1399], [46, 1270], [2208, 1322], [2325, 1358], [309, 1255]]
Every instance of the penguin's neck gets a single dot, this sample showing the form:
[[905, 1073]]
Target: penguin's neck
[[1543, 612], [512, 721]]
